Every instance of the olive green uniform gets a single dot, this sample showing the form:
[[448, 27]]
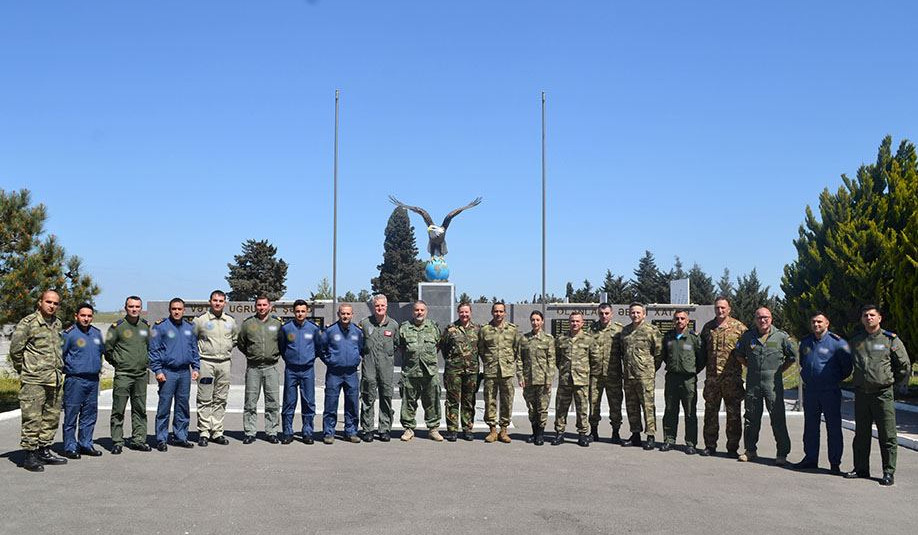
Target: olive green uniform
[[216, 340], [640, 349], [420, 376], [377, 370], [723, 380], [498, 349], [572, 354], [258, 341], [460, 353], [35, 350], [537, 362], [605, 374], [684, 357], [126, 349], [880, 360], [766, 355]]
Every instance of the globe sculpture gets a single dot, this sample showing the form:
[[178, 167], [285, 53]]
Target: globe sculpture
[[436, 270]]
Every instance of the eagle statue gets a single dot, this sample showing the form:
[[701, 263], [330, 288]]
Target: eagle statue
[[436, 245]]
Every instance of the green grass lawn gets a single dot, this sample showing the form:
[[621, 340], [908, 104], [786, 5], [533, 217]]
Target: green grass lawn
[[9, 391]]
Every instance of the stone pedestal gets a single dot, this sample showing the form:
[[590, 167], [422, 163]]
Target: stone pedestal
[[441, 301]]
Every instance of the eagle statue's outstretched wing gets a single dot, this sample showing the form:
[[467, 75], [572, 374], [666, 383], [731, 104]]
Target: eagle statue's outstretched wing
[[423, 213], [449, 217]]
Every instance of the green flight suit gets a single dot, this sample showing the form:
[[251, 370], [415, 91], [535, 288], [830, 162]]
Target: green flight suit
[[377, 370], [35, 350], [765, 356], [258, 341], [126, 349], [684, 357], [880, 361], [420, 376]]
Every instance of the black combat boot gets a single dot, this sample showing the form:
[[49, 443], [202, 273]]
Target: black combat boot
[[538, 437], [635, 440], [594, 433], [649, 443], [558, 440], [47, 457], [616, 438], [583, 440], [32, 463]]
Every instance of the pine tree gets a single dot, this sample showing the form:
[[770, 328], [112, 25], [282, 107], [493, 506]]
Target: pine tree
[[749, 296], [617, 289], [677, 272], [256, 272], [348, 297], [701, 286], [861, 249], [586, 294], [649, 284], [464, 298], [323, 291], [364, 296], [724, 286], [30, 264], [401, 270]]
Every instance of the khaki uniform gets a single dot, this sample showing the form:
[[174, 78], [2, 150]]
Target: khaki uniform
[[216, 340], [723, 381], [605, 374], [572, 354], [35, 350], [420, 377], [460, 353], [641, 350], [537, 360], [498, 351]]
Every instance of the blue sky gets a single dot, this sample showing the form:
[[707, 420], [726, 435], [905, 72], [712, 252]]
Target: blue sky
[[161, 135]]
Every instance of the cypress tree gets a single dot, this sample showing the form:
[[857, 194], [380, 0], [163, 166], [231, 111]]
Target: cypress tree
[[401, 270]]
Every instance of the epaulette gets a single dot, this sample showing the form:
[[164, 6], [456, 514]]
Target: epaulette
[[835, 336], [889, 334], [117, 323], [619, 324], [68, 329], [160, 321], [188, 321], [275, 317], [141, 319]]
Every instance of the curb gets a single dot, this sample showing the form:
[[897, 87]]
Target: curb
[[905, 407], [10, 415]]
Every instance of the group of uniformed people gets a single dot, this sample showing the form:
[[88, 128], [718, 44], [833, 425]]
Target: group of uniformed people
[[621, 361]]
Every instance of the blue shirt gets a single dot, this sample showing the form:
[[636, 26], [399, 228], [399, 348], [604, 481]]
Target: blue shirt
[[173, 347], [82, 351], [339, 348], [298, 342], [825, 362]]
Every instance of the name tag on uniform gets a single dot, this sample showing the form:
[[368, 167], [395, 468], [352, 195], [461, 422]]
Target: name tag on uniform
[[143, 332], [823, 350], [354, 338], [97, 341], [387, 333], [771, 344], [336, 338], [272, 327], [307, 336], [688, 347], [879, 347], [187, 332]]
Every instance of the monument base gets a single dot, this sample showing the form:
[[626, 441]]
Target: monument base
[[441, 301]]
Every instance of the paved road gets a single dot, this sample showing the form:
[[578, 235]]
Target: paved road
[[466, 488]]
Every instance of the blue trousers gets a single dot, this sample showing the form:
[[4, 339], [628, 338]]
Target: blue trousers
[[81, 404], [334, 380], [173, 391], [825, 403], [299, 380]]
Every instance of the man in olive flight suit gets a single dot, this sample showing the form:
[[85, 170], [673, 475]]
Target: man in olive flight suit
[[127, 350], [377, 368], [880, 361], [35, 350], [684, 357]]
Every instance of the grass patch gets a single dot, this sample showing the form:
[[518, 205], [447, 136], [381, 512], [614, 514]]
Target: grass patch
[[9, 391]]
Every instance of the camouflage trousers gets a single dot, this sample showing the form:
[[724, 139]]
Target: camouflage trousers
[[580, 395], [730, 390], [612, 385], [41, 413], [638, 397], [537, 398], [427, 389], [461, 388], [495, 387]]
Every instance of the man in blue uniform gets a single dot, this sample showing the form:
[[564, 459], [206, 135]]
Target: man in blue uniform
[[297, 341], [82, 351], [173, 351], [825, 361], [339, 349]]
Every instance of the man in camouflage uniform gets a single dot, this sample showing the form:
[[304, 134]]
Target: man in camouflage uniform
[[766, 353], [684, 357], [498, 344], [880, 360], [459, 344], [639, 345], [605, 374], [723, 378], [35, 350], [573, 360], [216, 333], [126, 349], [380, 332], [419, 339], [537, 362]]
